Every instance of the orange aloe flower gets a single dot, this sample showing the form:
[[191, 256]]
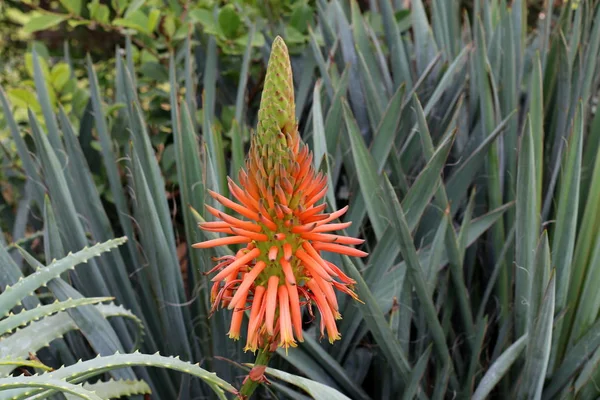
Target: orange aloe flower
[[285, 228]]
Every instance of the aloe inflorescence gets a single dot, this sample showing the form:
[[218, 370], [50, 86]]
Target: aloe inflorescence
[[285, 228]]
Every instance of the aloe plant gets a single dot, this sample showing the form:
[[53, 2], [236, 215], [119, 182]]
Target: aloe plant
[[465, 144], [46, 323]]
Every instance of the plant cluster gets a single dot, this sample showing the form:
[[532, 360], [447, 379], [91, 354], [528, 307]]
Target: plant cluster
[[462, 144]]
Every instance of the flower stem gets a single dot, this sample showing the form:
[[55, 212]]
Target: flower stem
[[252, 382]]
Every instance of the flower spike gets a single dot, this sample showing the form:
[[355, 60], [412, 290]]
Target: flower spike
[[285, 229]]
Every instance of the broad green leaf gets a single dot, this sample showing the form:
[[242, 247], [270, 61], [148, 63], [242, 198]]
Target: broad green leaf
[[538, 349], [11, 296], [376, 321], [499, 368], [416, 375], [367, 175], [116, 388], [574, 359], [41, 22], [99, 12], [24, 317], [87, 369], [73, 6], [39, 334], [47, 383], [414, 269], [527, 230], [316, 390], [136, 20], [153, 19], [229, 21], [563, 241]]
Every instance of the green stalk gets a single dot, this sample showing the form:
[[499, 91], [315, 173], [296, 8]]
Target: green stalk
[[264, 355]]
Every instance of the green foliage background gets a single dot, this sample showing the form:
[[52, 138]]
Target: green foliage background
[[464, 139]]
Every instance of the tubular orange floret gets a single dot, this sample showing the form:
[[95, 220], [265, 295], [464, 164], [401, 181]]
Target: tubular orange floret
[[304, 228], [325, 238], [285, 320], [273, 253], [246, 283], [343, 288], [287, 271], [332, 227], [317, 257], [337, 248], [220, 265], [213, 225], [261, 237], [295, 310], [243, 260], [327, 289], [343, 277], [333, 215], [278, 211], [271, 303], [313, 266], [326, 313], [221, 242], [236, 319], [281, 195], [267, 222], [269, 197], [234, 206], [248, 184], [242, 197], [246, 225], [287, 251], [312, 211], [256, 317]]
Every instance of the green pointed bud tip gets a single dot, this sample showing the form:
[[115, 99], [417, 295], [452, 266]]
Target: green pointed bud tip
[[277, 109]]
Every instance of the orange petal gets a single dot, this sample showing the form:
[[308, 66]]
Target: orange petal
[[336, 248], [316, 197], [304, 228], [343, 288], [261, 237], [287, 251], [221, 242], [327, 289], [234, 206], [236, 318], [333, 215], [338, 272], [241, 196], [317, 257], [313, 266], [287, 270], [247, 225], [326, 314], [256, 316], [213, 225], [245, 259], [271, 303], [332, 227], [238, 299], [295, 310], [327, 238], [312, 211], [273, 253], [281, 195], [285, 320], [267, 221]]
